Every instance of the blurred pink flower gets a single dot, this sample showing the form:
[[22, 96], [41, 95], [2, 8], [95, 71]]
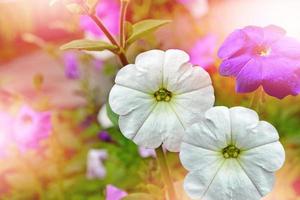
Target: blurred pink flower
[[6, 122], [108, 12], [145, 152], [198, 8], [114, 193], [203, 52], [262, 56], [296, 186], [95, 166], [31, 127], [71, 65]]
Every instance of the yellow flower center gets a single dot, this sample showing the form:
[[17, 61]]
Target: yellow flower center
[[263, 51], [231, 152], [163, 95]]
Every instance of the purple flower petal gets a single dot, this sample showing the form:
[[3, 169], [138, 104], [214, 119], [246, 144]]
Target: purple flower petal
[[287, 46], [281, 77], [249, 77], [274, 60], [203, 51], [273, 33], [232, 66], [234, 42], [254, 34], [114, 193]]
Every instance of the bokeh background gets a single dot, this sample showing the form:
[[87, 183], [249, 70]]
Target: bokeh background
[[54, 142]]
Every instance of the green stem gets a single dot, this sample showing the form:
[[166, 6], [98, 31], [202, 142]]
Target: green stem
[[257, 100], [165, 172], [121, 52], [124, 5]]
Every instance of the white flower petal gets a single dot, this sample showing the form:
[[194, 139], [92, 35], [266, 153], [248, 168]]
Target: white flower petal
[[261, 178], [192, 106], [103, 119], [213, 132], [200, 135], [135, 78], [165, 128], [259, 164], [197, 182], [131, 123], [232, 183], [186, 78], [263, 133], [270, 156], [242, 120], [124, 100], [197, 158], [218, 120], [150, 65]]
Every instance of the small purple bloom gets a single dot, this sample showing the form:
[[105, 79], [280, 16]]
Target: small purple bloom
[[108, 12], [146, 153], [95, 166], [31, 127], [71, 65], [114, 193], [262, 57], [203, 52], [104, 136]]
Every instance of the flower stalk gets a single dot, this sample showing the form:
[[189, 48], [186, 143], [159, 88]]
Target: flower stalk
[[124, 5], [165, 172], [110, 37]]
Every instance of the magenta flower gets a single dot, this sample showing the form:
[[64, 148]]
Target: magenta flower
[[262, 57], [71, 65], [108, 12], [31, 127], [114, 193], [203, 52]]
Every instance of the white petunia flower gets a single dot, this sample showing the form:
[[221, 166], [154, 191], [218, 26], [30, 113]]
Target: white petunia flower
[[231, 155], [103, 119], [159, 96]]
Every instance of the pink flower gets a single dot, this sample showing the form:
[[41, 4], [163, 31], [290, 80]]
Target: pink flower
[[71, 63], [203, 52], [31, 127], [6, 122], [264, 57], [296, 186], [146, 153], [108, 12], [114, 193], [198, 8]]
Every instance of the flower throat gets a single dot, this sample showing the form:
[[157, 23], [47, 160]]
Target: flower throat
[[163, 95]]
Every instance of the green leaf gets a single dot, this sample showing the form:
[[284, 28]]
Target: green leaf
[[114, 118], [144, 27], [88, 45], [138, 196]]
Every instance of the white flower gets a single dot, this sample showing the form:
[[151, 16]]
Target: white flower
[[231, 155], [103, 119], [158, 96], [95, 167]]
